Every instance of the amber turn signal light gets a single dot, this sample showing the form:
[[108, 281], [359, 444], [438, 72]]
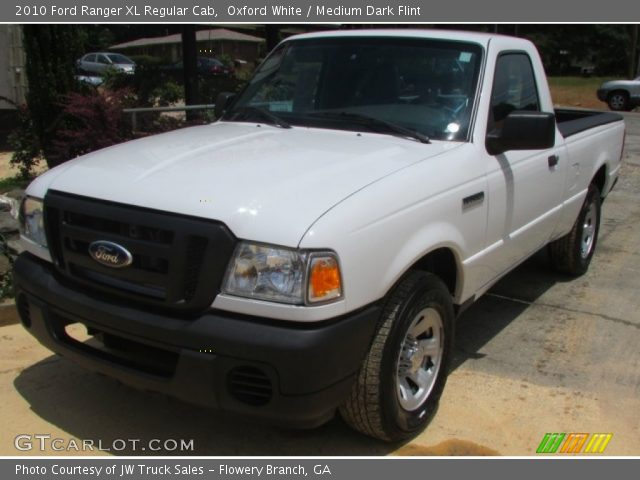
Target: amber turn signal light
[[325, 282]]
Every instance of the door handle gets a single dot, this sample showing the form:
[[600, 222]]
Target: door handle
[[472, 200], [553, 160]]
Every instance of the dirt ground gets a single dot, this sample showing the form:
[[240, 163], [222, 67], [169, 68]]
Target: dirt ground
[[6, 170], [540, 353]]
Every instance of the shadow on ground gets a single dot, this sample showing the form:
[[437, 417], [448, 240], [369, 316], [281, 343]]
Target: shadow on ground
[[90, 406], [505, 302]]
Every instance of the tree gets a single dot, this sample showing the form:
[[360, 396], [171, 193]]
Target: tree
[[51, 52], [190, 65], [634, 61], [272, 34]]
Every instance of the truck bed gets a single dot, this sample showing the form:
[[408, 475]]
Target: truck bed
[[571, 122]]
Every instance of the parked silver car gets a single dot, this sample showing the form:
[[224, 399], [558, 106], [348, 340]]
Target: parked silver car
[[620, 95], [98, 62]]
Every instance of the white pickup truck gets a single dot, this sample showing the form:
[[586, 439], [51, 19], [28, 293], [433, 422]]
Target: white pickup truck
[[309, 252]]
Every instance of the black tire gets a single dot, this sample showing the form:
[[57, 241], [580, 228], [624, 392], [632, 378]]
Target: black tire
[[619, 101], [374, 407], [570, 254]]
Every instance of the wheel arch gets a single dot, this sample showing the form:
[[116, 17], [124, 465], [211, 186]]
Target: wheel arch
[[599, 179], [443, 260], [443, 263]]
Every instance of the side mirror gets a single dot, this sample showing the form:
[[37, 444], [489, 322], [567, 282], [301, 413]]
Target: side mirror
[[523, 130], [223, 101]]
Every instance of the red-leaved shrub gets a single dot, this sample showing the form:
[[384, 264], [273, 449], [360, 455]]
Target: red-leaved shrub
[[90, 121]]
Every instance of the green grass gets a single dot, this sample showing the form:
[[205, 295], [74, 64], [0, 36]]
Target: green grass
[[10, 183], [577, 91], [578, 82]]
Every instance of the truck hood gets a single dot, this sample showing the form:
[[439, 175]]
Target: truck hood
[[265, 183]]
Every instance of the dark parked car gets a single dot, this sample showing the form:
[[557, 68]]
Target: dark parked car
[[207, 66], [98, 62], [621, 95]]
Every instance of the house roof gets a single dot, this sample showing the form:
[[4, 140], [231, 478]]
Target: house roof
[[214, 35]]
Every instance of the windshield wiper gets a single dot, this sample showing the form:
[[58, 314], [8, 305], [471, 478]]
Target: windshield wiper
[[375, 124], [263, 112]]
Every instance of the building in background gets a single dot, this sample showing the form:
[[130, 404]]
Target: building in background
[[13, 79], [211, 43]]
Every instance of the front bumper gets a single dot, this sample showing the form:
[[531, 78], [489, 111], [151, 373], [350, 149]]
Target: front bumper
[[291, 374], [602, 94]]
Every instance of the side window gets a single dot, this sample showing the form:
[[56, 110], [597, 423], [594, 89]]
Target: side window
[[90, 58], [102, 59], [514, 88]]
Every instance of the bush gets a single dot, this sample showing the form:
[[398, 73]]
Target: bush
[[145, 82], [51, 52], [91, 121], [212, 86], [226, 59], [168, 93], [147, 78], [24, 143], [147, 60]]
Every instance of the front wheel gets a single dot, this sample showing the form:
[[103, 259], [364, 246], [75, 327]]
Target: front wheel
[[399, 384], [619, 101], [572, 253]]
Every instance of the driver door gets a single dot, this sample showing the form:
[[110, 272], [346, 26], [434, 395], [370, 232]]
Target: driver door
[[525, 186]]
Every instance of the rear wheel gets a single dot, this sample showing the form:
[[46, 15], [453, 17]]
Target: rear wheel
[[400, 381], [619, 101], [572, 253]]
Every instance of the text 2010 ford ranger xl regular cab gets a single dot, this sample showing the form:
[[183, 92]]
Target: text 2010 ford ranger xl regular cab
[[309, 251]]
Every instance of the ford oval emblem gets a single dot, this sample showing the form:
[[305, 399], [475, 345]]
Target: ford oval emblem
[[110, 254]]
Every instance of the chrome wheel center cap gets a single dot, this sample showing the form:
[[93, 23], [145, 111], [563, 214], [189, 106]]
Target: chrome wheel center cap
[[412, 357]]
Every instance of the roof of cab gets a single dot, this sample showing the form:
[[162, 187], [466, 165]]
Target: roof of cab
[[457, 35]]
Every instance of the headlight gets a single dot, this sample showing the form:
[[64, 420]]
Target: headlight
[[32, 221], [284, 275]]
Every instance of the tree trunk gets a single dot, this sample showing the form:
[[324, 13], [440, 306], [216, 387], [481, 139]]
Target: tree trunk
[[272, 35], [190, 66], [633, 58]]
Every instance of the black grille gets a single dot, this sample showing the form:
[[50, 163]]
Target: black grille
[[250, 385], [178, 262]]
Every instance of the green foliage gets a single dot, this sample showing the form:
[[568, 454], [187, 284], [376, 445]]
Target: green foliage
[[148, 60], [168, 93], [6, 285], [51, 54], [116, 79], [226, 59], [6, 278], [147, 78], [212, 86], [11, 183], [25, 144], [563, 48]]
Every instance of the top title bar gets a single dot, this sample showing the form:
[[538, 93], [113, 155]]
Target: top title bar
[[318, 11]]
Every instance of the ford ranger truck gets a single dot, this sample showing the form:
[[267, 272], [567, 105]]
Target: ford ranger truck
[[308, 253]]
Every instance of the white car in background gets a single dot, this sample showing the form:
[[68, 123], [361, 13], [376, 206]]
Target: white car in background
[[620, 95], [99, 62]]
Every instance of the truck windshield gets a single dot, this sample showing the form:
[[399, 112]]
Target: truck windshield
[[420, 85]]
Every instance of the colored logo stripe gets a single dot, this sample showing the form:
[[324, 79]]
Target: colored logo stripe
[[550, 443], [598, 442], [573, 442]]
